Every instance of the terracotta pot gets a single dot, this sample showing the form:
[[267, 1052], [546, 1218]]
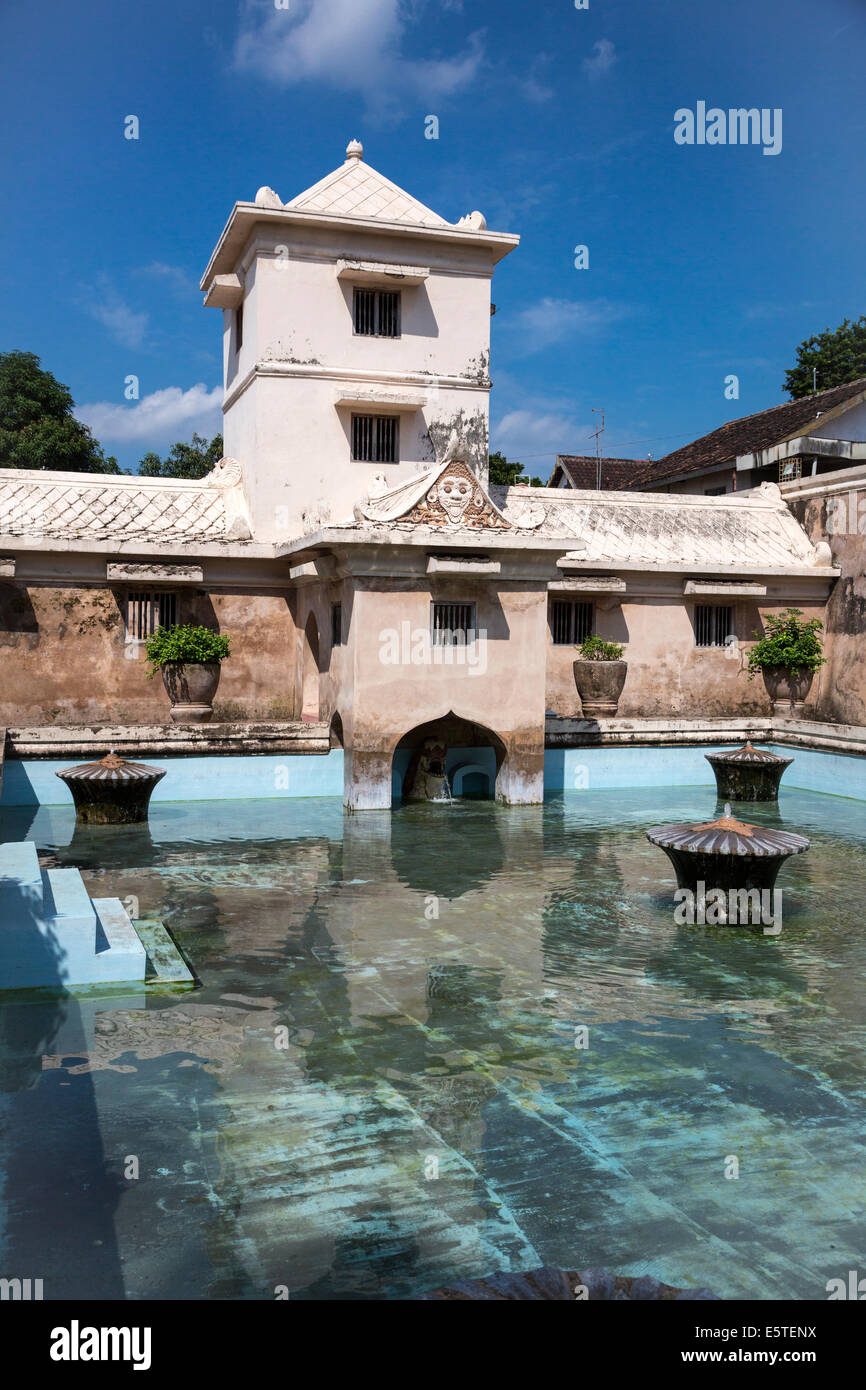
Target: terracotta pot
[[191, 686], [787, 689], [599, 685]]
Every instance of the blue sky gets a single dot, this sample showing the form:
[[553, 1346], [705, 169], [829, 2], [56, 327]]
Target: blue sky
[[557, 123]]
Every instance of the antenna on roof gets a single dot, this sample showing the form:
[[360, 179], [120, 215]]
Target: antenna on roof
[[597, 435]]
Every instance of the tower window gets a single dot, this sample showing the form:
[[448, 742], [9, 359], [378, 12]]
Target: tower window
[[377, 313], [239, 327], [374, 438], [714, 624], [336, 624], [570, 622]]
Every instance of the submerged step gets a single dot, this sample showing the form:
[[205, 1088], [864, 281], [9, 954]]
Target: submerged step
[[20, 874]]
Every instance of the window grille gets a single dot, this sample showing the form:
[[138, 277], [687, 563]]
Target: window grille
[[377, 313], [146, 612], [570, 622], [790, 469], [713, 624], [374, 438], [453, 624]]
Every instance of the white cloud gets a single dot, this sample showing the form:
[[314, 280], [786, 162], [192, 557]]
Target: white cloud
[[353, 45], [158, 418], [533, 85], [177, 280], [534, 437], [602, 60], [126, 326], [551, 320]]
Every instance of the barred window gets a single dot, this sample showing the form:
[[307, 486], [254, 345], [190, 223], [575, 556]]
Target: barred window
[[374, 438], [713, 624], [377, 313], [570, 622], [336, 624], [146, 612], [452, 624]]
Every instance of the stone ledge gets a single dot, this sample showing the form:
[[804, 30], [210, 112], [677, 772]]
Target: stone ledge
[[87, 741], [804, 733]]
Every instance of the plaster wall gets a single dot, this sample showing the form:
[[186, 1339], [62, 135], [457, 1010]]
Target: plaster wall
[[839, 517], [64, 657], [397, 685], [850, 425], [667, 673]]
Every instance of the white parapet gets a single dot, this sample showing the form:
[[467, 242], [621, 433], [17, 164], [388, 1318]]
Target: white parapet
[[52, 934]]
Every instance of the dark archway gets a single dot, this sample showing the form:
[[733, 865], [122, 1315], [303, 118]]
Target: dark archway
[[460, 744], [336, 730]]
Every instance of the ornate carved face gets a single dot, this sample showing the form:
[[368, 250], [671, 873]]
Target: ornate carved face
[[454, 494]]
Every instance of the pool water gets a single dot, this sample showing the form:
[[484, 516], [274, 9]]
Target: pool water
[[382, 1084]]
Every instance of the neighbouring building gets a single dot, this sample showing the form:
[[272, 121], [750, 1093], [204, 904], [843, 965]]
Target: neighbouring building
[[349, 543], [804, 438]]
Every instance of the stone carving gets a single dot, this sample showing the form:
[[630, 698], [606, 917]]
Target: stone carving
[[228, 477], [267, 198], [531, 517], [456, 499], [226, 473], [425, 777]]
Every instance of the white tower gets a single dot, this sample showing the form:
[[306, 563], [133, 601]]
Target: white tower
[[356, 338]]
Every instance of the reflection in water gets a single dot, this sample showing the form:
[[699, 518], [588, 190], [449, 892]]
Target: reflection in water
[[436, 1043]]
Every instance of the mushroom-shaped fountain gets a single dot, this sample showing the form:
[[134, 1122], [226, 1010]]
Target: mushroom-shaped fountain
[[747, 773], [111, 791], [726, 854]]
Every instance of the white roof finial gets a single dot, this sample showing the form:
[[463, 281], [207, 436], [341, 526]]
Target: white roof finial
[[354, 150]]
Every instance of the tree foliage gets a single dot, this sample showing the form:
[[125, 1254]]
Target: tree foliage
[[193, 460], [507, 474], [838, 355], [37, 426]]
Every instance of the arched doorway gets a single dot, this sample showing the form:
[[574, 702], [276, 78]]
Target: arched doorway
[[467, 754], [310, 672]]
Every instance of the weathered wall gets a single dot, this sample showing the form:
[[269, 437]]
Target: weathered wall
[[837, 514], [667, 674], [393, 681], [64, 658]]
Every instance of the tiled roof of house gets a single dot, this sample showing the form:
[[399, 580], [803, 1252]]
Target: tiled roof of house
[[582, 471], [746, 435]]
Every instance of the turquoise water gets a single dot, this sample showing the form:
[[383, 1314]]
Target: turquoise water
[[376, 1090]]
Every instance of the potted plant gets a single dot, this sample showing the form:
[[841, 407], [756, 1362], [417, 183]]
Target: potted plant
[[599, 674], [787, 655], [189, 658]]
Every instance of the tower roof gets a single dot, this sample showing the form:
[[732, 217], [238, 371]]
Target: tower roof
[[356, 189]]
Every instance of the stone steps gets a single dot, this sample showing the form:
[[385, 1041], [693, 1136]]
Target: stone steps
[[53, 934]]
